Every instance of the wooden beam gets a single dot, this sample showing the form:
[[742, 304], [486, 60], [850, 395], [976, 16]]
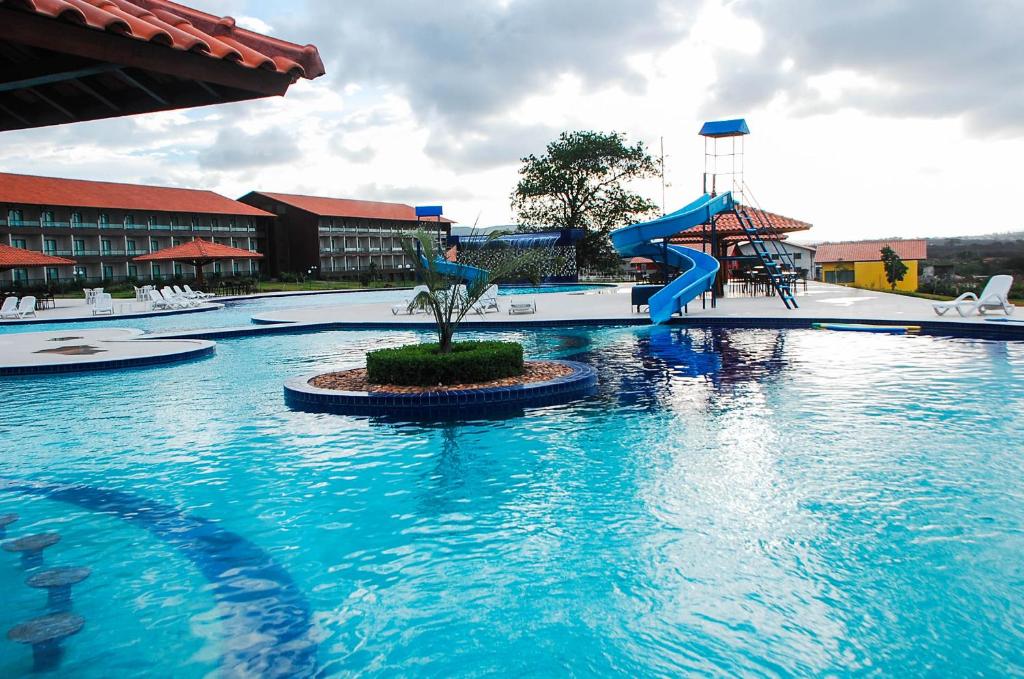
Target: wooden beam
[[11, 113], [135, 83], [47, 76], [52, 103], [96, 95]]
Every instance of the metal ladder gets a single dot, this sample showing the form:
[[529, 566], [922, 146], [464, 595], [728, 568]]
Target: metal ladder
[[772, 266]]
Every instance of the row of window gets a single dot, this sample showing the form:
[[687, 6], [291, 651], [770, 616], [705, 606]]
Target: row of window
[[46, 218], [107, 271], [106, 245]]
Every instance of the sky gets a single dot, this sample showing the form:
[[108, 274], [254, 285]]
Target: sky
[[870, 119]]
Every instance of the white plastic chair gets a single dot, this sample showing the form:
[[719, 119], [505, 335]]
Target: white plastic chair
[[103, 304], [10, 308], [197, 294], [995, 296], [27, 307], [528, 307], [157, 301]]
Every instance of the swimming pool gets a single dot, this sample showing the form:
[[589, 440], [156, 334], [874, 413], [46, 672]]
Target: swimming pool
[[240, 313], [759, 502]]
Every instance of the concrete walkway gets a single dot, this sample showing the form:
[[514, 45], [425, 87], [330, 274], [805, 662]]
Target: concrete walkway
[[76, 310], [109, 348], [820, 301]]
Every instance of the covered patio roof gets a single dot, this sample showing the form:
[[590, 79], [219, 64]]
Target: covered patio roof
[[66, 61], [19, 258]]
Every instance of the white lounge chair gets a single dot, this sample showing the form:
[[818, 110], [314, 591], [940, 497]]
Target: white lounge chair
[[103, 304], [197, 294], [157, 301], [995, 296], [9, 308], [175, 299], [27, 307], [408, 305], [489, 300], [527, 307]]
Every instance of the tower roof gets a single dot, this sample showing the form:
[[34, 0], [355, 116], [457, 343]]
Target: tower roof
[[725, 128]]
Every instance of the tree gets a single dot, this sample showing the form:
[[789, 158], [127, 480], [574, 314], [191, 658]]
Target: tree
[[895, 269], [580, 183], [445, 297]]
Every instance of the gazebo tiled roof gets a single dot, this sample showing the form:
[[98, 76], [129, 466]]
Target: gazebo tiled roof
[[198, 251], [18, 258], [729, 229]]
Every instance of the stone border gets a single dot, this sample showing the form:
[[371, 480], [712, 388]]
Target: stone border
[[432, 405]]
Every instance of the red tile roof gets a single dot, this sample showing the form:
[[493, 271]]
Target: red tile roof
[[728, 226], [20, 189], [870, 250], [182, 28], [198, 251], [17, 258], [345, 207]]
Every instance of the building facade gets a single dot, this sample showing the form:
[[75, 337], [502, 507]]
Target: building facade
[[803, 256], [860, 263], [341, 238], [102, 226]]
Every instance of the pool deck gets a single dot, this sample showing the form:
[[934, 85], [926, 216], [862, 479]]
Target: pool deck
[[821, 301], [59, 351], [77, 311]]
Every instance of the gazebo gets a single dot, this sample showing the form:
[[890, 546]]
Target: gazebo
[[198, 253], [18, 258]]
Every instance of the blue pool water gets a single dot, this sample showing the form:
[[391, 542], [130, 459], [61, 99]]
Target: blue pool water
[[731, 502], [240, 313]]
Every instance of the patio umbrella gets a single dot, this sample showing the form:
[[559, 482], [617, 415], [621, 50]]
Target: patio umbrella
[[19, 258], [198, 253]]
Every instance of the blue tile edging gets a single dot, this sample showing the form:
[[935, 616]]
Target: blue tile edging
[[299, 394], [207, 349]]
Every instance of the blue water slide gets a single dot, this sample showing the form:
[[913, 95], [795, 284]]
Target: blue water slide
[[699, 270], [468, 274]]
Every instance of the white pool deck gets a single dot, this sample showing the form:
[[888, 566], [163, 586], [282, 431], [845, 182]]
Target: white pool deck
[[820, 301], [121, 346], [66, 310]]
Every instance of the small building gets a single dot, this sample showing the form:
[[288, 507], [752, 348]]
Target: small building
[[340, 237], [801, 255], [102, 226], [860, 262]]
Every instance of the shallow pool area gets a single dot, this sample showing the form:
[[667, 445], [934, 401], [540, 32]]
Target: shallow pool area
[[730, 502]]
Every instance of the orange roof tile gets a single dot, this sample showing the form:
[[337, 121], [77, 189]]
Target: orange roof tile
[[870, 250], [17, 258], [346, 207], [728, 225], [22, 189], [198, 250], [182, 28]]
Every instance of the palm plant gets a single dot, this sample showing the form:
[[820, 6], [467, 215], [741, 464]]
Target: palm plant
[[446, 297]]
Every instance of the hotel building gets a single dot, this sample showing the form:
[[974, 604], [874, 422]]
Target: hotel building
[[102, 226]]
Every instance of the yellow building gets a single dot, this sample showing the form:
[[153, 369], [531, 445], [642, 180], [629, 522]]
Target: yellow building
[[860, 263]]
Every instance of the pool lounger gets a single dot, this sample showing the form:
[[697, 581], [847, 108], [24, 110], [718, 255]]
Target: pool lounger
[[863, 327]]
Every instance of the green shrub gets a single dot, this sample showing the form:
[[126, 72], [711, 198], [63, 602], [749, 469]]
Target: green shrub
[[422, 365]]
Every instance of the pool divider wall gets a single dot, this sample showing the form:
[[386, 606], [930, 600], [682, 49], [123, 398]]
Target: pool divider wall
[[459, 404]]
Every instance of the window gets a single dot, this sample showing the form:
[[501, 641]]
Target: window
[[105, 246], [108, 273], [15, 217], [129, 221], [133, 271], [79, 272], [797, 255], [103, 221], [79, 246], [20, 275], [214, 222], [216, 267], [52, 274], [232, 222], [50, 245], [46, 218], [154, 245], [129, 245], [235, 268], [19, 243], [155, 270], [76, 219], [177, 269]]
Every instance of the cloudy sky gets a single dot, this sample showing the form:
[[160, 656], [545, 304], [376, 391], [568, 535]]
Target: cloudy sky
[[869, 119]]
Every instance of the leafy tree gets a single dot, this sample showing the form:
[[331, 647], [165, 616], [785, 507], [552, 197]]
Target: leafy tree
[[895, 269], [581, 183]]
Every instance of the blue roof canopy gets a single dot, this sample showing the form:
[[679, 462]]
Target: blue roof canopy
[[429, 211], [725, 128]]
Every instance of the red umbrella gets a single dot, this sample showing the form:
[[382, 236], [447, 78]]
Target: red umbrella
[[199, 253], [19, 258]]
